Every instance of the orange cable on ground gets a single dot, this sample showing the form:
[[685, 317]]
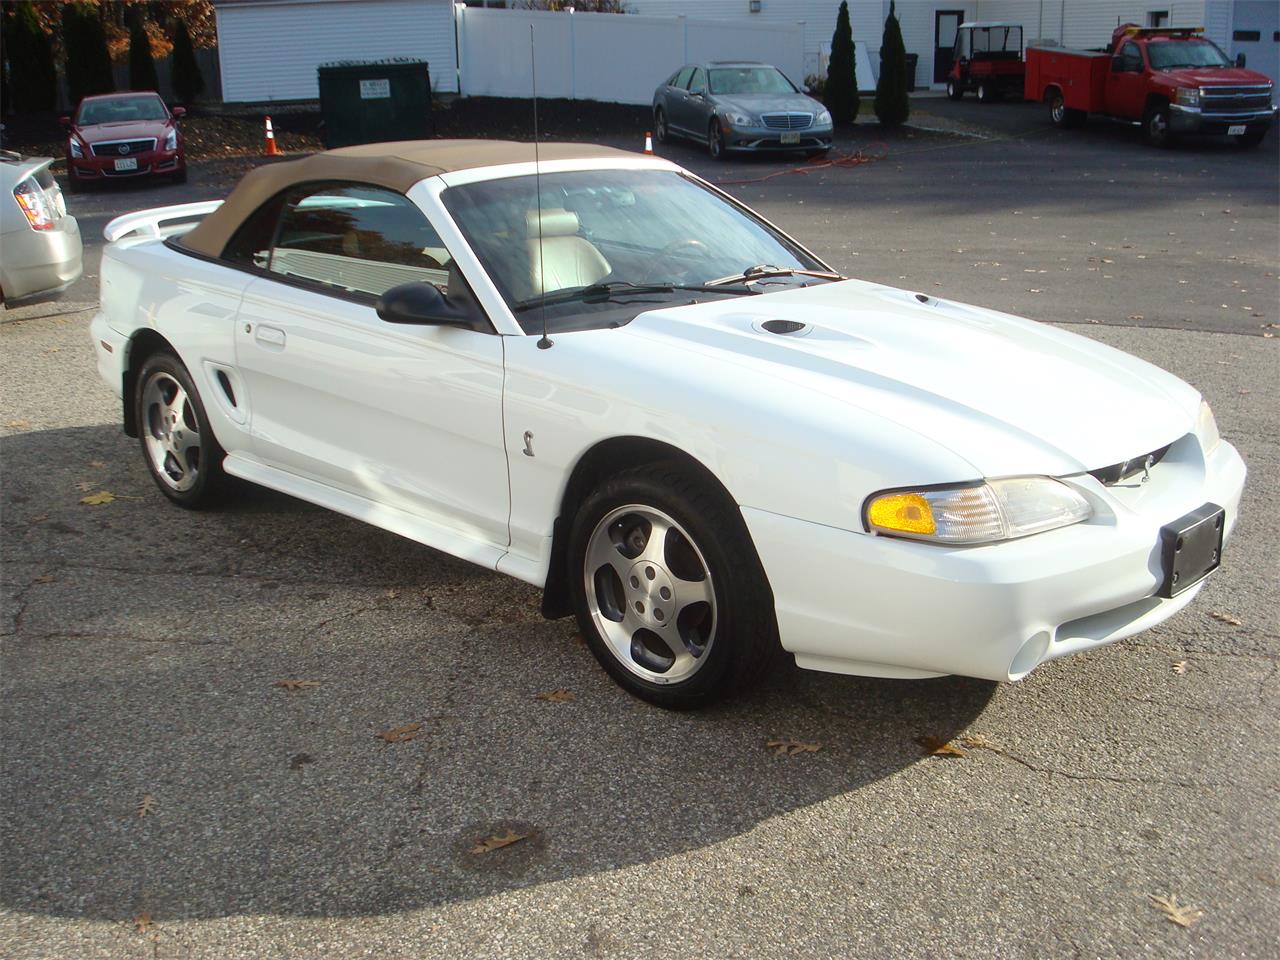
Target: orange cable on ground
[[855, 159]]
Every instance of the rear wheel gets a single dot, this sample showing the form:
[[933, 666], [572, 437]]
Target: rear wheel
[[1060, 115], [178, 444], [667, 587], [954, 90], [1252, 137], [715, 141], [1155, 125], [984, 93]]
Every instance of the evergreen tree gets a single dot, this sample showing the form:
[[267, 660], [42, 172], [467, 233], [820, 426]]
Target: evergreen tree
[[142, 69], [32, 81], [841, 93], [892, 105], [188, 81], [87, 64]]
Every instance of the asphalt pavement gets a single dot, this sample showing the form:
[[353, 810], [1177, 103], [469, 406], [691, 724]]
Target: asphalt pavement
[[164, 797]]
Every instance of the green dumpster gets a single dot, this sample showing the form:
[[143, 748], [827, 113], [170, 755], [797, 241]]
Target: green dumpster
[[369, 101]]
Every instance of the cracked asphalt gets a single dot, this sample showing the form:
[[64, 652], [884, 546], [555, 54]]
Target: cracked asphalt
[[141, 645]]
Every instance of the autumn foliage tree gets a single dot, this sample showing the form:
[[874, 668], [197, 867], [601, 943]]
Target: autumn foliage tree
[[86, 60], [188, 81], [841, 93], [31, 82], [142, 68], [892, 105]]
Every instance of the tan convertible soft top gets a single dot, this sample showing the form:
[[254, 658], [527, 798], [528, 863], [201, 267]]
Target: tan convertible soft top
[[396, 166]]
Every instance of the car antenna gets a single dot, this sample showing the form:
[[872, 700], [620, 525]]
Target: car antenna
[[546, 342]]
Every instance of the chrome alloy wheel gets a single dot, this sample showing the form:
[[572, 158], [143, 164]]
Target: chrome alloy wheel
[[171, 431], [1058, 110], [650, 594]]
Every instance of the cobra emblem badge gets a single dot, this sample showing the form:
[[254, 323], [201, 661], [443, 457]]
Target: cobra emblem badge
[[528, 443]]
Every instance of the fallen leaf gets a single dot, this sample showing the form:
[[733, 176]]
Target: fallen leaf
[[99, 498], [44, 578], [1180, 667], [1184, 915], [1136, 316], [791, 748], [556, 696], [142, 922], [400, 734], [939, 748], [18, 424], [147, 805], [84, 486], [1227, 618], [40, 518], [391, 594], [99, 464], [292, 685], [976, 741], [497, 842]]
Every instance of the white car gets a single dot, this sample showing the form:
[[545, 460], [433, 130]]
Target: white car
[[605, 377]]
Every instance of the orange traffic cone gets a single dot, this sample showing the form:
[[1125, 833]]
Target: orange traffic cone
[[648, 143], [271, 150]]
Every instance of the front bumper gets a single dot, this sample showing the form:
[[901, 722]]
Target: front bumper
[[150, 162], [111, 349], [41, 262], [760, 139], [1183, 119], [877, 606]]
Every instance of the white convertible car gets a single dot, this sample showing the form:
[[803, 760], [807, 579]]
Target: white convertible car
[[605, 377]]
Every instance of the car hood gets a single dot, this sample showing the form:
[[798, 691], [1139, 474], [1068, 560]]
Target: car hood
[[772, 103], [1215, 76], [1008, 395], [124, 130]]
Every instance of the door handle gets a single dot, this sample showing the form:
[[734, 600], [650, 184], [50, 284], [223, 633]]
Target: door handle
[[272, 336]]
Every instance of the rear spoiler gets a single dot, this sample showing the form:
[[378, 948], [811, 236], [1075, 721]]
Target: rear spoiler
[[150, 223]]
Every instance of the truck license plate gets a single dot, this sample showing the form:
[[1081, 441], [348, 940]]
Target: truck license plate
[[127, 163], [1236, 130], [791, 136], [1191, 548]]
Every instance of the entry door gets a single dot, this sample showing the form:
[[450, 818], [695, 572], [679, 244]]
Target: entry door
[[946, 23]]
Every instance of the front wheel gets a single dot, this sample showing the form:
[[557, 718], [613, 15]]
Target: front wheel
[[1252, 136], [984, 93], [178, 444], [667, 587], [1155, 126], [954, 90], [715, 141]]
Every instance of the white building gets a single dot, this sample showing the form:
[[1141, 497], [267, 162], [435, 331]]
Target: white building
[[928, 26]]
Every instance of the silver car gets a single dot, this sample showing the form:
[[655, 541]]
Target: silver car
[[40, 249], [739, 106]]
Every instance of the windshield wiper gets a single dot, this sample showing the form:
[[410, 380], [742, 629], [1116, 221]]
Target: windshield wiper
[[762, 271], [600, 292]]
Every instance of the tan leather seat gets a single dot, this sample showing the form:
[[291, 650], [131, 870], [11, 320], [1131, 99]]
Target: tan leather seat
[[562, 259]]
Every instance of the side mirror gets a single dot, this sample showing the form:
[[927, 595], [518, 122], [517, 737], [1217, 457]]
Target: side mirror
[[179, 112], [65, 121], [696, 93], [1240, 60], [422, 303]]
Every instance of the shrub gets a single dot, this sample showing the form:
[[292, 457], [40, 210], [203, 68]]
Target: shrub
[[188, 81], [142, 69], [32, 83], [87, 63], [841, 92], [892, 105]]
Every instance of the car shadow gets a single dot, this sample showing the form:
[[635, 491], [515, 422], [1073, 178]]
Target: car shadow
[[153, 760]]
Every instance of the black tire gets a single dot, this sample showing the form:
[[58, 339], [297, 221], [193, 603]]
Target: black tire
[[195, 478], [985, 94], [73, 184], [715, 141], [954, 90], [1252, 136], [744, 639], [1155, 126], [180, 176], [817, 153], [660, 133]]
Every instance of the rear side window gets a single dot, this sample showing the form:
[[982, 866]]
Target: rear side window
[[681, 79], [356, 239], [250, 246]]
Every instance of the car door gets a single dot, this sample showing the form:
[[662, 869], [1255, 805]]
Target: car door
[[677, 100], [698, 105], [1127, 88], [406, 417]]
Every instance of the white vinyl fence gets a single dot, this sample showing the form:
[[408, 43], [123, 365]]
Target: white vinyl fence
[[617, 58]]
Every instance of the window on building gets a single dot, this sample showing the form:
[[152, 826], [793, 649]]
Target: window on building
[[1158, 18], [1247, 36]]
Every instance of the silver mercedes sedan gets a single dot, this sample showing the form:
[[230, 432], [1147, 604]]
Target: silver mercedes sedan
[[739, 106]]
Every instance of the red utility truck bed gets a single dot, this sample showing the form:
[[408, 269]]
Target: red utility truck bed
[[1081, 75]]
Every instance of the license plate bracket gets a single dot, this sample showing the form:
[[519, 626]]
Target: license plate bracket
[[791, 136], [127, 163], [1191, 548], [1236, 130]]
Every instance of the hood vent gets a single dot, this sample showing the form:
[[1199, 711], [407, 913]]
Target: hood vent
[[785, 328]]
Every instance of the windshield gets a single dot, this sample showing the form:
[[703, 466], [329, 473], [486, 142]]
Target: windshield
[[728, 81], [121, 110], [1174, 54], [612, 228]]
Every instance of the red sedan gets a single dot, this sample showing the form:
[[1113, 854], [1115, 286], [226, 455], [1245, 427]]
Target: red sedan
[[118, 135]]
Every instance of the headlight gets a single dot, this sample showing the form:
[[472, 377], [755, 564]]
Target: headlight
[[74, 145], [1207, 429], [824, 119], [981, 513], [1187, 96], [741, 119], [171, 141]]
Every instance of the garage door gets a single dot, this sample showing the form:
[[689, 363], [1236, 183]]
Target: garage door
[[1254, 27]]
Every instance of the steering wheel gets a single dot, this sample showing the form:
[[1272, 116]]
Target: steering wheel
[[667, 254]]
